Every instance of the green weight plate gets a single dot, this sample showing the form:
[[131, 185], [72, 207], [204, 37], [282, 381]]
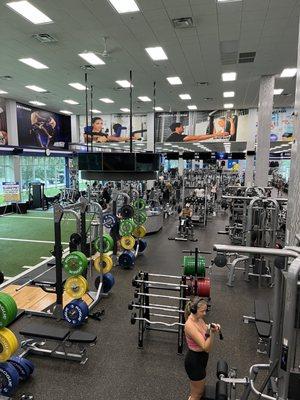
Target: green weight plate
[[126, 227], [140, 217], [139, 205], [75, 263], [189, 266], [8, 309], [108, 243]]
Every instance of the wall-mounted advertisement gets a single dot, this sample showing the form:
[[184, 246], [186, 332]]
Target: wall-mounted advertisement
[[113, 128], [3, 124], [282, 127], [40, 128], [197, 126]]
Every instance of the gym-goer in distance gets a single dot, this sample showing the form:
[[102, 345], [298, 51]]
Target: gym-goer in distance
[[199, 340], [177, 134]]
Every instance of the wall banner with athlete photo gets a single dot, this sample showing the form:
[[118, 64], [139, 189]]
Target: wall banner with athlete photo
[[112, 128], [3, 124], [218, 125], [40, 128]]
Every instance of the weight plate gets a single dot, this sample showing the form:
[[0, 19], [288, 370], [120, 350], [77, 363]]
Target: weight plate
[[127, 242], [127, 211], [139, 204], [9, 378], [76, 287], [109, 220], [75, 263], [140, 217], [75, 239], [126, 259], [107, 263], [142, 245], [8, 344], [126, 227], [21, 366], [139, 232], [108, 282], [29, 364], [203, 287], [76, 312], [8, 309], [108, 243], [189, 266]]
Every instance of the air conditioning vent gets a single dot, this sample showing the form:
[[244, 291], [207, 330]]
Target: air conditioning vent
[[229, 52], [183, 23], [88, 67], [44, 38], [247, 57], [202, 83], [6, 78]]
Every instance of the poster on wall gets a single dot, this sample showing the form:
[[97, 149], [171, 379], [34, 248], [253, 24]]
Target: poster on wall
[[113, 128], [282, 127], [40, 128], [3, 124], [218, 125], [11, 191]]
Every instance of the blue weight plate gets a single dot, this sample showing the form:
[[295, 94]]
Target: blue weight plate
[[109, 220], [126, 259], [142, 245], [108, 282], [21, 366], [29, 364], [76, 312], [9, 378]]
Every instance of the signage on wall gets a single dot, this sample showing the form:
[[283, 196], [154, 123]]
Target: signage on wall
[[11, 191], [40, 128], [3, 124]]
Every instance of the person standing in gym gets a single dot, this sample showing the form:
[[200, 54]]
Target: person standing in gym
[[199, 338]]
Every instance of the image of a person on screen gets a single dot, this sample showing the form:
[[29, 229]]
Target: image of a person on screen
[[95, 133], [43, 127], [3, 132], [178, 135]]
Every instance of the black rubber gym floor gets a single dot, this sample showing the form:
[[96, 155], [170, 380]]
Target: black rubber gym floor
[[117, 369]]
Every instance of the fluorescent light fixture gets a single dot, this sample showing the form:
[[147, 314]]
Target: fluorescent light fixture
[[94, 111], [144, 98], [124, 84], [288, 73], [37, 103], [227, 1], [91, 58], [127, 110], [185, 97], [229, 76], [277, 91], [106, 100], [30, 12], [159, 109], [174, 80], [33, 63], [36, 88], [228, 105], [156, 53], [3, 92], [228, 94], [77, 86], [65, 112], [192, 107], [124, 6], [71, 102]]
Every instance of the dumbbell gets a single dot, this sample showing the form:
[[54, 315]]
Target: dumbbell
[[222, 369], [133, 319], [221, 391], [132, 305]]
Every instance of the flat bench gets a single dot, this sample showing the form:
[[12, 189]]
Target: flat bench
[[263, 323], [37, 335]]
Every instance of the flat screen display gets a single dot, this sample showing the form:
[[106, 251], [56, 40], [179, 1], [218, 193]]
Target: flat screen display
[[90, 162], [118, 162], [147, 162]]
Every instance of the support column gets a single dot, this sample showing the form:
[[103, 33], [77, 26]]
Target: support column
[[75, 129], [265, 108], [180, 166], [249, 170], [293, 214], [193, 165], [150, 132], [12, 126]]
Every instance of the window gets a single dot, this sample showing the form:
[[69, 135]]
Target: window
[[6, 173]]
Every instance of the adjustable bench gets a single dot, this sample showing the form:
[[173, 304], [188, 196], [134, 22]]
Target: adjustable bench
[[38, 335], [263, 324]]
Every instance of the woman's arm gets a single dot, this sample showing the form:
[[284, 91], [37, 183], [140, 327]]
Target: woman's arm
[[193, 333], [199, 138]]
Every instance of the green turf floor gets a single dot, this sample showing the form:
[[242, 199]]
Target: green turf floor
[[34, 225]]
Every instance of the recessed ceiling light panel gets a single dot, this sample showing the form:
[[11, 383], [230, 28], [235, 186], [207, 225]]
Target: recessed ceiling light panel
[[36, 88], [106, 100], [124, 6], [174, 80], [229, 76], [156, 53], [29, 12], [33, 63], [91, 58]]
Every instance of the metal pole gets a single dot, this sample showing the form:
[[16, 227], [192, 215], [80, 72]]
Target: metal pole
[[86, 107], [92, 90], [154, 106], [130, 116]]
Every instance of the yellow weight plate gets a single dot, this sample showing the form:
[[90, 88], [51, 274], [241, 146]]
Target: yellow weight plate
[[139, 232], [127, 242], [76, 286], [8, 344], [107, 263]]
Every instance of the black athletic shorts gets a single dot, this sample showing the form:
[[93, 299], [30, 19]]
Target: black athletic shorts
[[195, 364]]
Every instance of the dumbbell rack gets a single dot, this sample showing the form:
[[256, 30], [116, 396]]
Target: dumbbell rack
[[146, 310]]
